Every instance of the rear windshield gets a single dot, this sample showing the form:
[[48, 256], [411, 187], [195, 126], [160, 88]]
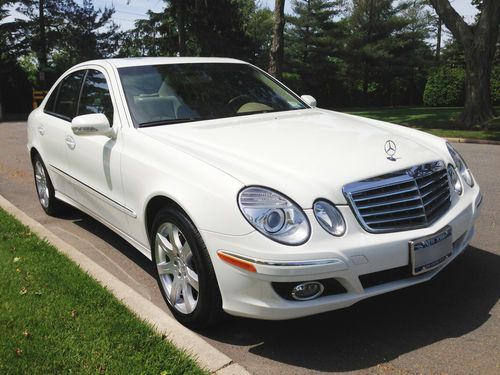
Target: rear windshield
[[174, 93]]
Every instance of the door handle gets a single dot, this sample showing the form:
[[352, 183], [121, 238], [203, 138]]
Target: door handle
[[70, 142], [41, 129]]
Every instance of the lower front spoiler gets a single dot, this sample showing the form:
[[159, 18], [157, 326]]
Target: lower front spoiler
[[261, 302]]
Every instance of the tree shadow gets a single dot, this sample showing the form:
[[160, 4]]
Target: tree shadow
[[457, 301]]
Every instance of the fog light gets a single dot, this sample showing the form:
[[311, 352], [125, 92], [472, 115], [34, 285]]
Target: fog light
[[307, 291]]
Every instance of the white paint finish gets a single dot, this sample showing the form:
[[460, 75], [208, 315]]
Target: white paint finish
[[305, 154]]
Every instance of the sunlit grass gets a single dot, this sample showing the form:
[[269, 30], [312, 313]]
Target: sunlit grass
[[440, 121], [54, 318]]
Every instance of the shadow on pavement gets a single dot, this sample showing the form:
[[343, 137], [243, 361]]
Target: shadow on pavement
[[377, 330], [93, 226], [457, 301]]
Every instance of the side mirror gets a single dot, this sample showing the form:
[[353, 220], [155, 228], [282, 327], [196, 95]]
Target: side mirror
[[310, 101], [92, 124]]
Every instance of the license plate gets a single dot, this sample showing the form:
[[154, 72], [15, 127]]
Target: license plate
[[429, 252]]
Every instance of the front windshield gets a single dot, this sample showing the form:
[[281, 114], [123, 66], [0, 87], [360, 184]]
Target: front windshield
[[174, 93]]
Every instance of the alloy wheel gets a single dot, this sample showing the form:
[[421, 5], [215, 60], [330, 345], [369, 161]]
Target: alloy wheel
[[176, 269], [41, 184]]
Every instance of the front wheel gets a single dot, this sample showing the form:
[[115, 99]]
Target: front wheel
[[184, 270]]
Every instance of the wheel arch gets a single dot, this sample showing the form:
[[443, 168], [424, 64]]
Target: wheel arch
[[33, 153], [154, 205]]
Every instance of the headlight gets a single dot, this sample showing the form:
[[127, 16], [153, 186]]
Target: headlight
[[274, 215], [461, 165], [329, 217], [455, 181]]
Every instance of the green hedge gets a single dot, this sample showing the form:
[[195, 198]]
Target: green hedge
[[495, 85], [445, 87]]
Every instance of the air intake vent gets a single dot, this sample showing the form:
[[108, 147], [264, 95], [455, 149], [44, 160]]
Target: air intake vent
[[408, 199]]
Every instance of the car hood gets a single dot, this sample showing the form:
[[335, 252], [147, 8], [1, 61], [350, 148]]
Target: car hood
[[305, 154]]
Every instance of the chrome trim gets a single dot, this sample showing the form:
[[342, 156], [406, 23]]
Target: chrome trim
[[121, 207], [292, 263], [479, 199], [406, 187], [319, 293]]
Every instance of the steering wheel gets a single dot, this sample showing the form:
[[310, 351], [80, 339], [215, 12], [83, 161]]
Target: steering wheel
[[235, 103]]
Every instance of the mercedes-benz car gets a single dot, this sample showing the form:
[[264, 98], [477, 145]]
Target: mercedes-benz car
[[248, 198]]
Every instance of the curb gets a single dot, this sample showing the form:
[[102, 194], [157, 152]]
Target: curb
[[471, 140], [204, 354]]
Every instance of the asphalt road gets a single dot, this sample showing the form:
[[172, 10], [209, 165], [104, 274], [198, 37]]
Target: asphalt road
[[450, 325]]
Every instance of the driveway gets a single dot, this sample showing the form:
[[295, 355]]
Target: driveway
[[449, 325]]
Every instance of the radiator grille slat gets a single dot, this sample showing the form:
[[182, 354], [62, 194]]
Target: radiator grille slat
[[408, 199]]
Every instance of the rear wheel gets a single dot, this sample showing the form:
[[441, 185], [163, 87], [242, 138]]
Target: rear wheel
[[44, 187], [184, 270]]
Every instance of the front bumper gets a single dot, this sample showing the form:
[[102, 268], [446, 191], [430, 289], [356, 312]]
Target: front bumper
[[345, 259]]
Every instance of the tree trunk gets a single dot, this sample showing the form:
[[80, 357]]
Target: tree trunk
[[438, 42], [181, 26], [478, 108], [277, 48], [479, 43]]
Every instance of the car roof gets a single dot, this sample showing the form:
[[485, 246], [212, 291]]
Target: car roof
[[140, 61]]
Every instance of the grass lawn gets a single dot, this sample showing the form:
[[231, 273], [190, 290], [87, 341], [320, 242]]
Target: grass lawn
[[54, 318], [440, 121]]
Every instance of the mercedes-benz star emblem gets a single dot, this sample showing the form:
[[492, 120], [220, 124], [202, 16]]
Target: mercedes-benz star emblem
[[390, 149]]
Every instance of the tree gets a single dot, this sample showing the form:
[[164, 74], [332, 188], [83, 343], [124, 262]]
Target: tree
[[155, 36], [479, 42], [313, 42], [387, 52], [72, 33], [277, 46]]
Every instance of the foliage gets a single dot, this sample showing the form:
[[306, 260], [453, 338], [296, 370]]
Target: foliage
[[495, 85], [313, 45], [445, 87], [387, 51], [73, 33], [344, 52], [56, 319], [154, 36], [29, 64]]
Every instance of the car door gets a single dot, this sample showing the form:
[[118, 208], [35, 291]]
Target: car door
[[95, 159], [54, 127]]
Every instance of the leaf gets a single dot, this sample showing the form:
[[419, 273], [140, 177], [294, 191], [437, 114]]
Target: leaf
[[23, 291], [19, 352], [74, 313], [16, 259]]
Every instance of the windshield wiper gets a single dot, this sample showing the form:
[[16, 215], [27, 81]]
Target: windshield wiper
[[166, 122]]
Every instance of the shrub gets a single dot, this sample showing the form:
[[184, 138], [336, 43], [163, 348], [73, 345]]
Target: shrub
[[445, 87], [495, 85]]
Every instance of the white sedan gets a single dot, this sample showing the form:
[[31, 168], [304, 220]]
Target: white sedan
[[247, 198]]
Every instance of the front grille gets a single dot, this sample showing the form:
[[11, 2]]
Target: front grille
[[408, 199]]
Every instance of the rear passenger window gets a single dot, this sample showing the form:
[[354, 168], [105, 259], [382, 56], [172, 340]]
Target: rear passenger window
[[95, 96], [67, 98]]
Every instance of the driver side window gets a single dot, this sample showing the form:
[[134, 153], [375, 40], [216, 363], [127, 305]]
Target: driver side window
[[95, 97]]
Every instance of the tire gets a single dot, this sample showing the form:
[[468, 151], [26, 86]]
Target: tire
[[184, 270], [44, 188]]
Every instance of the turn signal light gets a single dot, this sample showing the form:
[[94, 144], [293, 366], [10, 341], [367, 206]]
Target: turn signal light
[[236, 262]]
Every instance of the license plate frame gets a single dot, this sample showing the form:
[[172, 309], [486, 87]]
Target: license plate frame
[[431, 251]]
